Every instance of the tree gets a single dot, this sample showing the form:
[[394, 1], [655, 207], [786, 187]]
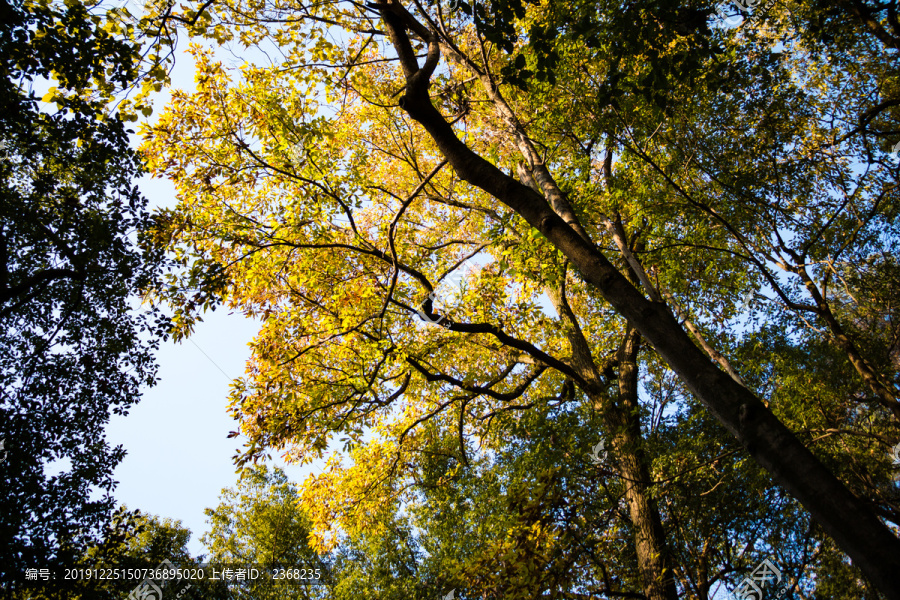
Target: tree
[[673, 172], [540, 517], [259, 523], [73, 346]]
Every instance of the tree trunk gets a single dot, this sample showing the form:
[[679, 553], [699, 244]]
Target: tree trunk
[[847, 519], [623, 423]]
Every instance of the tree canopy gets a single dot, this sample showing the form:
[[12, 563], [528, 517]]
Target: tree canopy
[[74, 349], [259, 522], [664, 232]]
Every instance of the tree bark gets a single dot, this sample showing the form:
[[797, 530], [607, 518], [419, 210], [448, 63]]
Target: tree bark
[[623, 422], [847, 519]]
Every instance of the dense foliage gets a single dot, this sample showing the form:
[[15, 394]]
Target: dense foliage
[[666, 233], [259, 522], [74, 347]]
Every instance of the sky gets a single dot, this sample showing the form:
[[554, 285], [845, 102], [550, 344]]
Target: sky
[[178, 456]]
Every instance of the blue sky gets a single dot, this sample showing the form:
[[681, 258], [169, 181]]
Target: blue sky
[[179, 457]]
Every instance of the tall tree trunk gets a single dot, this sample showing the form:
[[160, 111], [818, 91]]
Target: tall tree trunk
[[623, 422], [621, 419]]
